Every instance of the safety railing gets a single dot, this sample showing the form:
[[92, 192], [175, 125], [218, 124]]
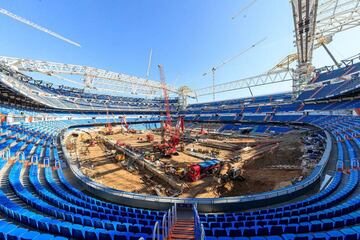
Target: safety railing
[[156, 231], [34, 159], [46, 161], [167, 223], [22, 156], [57, 163], [198, 227], [6, 154]]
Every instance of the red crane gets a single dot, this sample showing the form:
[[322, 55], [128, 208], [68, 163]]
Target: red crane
[[168, 146]]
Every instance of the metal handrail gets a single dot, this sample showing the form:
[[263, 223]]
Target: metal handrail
[[22, 156], [7, 154], [169, 220], [46, 160], [202, 236], [156, 231], [197, 224], [173, 210], [34, 159], [175, 213], [165, 225]]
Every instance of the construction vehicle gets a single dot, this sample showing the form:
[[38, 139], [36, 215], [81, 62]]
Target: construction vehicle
[[232, 175], [168, 147], [108, 129], [123, 122], [120, 143], [170, 136], [198, 171], [149, 137], [203, 131], [120, 157]]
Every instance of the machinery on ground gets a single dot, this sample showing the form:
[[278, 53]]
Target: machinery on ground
[[123, 122], [232, 175], [170, 136], [149, 137], [168, 147], [109, 130], [200, 170]]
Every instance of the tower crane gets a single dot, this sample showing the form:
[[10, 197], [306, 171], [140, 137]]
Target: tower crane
[[215, 68], [38, 27], [243, 9]]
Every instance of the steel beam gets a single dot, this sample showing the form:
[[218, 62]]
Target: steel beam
[[259, 80], [336, 16], [121, 82]]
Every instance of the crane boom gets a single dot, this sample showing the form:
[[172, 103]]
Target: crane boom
[[235, 56], [213, 69], [149, 65], [243, 9], [38, 27], [166, 97]]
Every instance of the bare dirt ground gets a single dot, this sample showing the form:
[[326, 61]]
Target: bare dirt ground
[[256, 160]]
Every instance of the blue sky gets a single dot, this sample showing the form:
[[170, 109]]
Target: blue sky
[[187, 36]]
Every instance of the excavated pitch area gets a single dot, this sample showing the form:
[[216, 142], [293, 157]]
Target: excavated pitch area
[[260, 175]]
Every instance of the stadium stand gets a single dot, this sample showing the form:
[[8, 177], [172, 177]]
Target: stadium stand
[[37, 201], [40, 94]]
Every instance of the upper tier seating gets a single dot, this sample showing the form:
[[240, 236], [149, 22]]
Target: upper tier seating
[[329, 75], [61, 97]]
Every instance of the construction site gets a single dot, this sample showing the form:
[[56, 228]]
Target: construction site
[[202, 163], [190, 161]]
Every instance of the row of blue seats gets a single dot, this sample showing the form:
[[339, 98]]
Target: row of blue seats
[[321, 219], [130, 231], [348, 233], [98, 202], [66, 216], [117, 215], [271, 213]]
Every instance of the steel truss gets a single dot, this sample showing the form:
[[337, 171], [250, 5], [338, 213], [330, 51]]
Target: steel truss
[[336, 16], [259, 80], [94, 78], [304, 13]]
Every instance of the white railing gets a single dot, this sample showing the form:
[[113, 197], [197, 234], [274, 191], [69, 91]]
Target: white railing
[[156, 231], [46, 162], [167, 223], [57, 163], [34, 159], [22, 156], [198, 227], [6, 154]]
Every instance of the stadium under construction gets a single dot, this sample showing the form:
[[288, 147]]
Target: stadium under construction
[[92, 162]]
